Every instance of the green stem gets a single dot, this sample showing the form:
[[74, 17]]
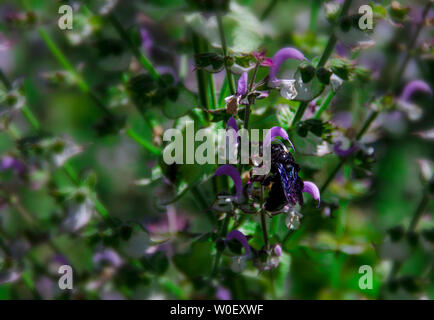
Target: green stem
[[133, 47], [315, 6], [199, 197], [324, 104], [332, 175], [225, 53], [30, 117], [333, 39], [268, 9], [263, 222], [223, 232], [264, 230], [5, 80], [248, 107], [413, 223], [411, 45], [211, 88], [57, 53], [299, 114], [82, 84], [419, 210], [200, 75], [367, 124], [210, 80], [143, 142], [374, 114], [224, 92]]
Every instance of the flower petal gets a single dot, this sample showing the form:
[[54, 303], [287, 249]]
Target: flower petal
[[277, 250], [232, 123], [267, 62], [238, 235], [108, 256], [242, 85], [274, 132], [342, 152], [223, 293], [147, 42], [262, 94], [311, 188], [281, 56], [413, 87], [259, 55], [232, 172]]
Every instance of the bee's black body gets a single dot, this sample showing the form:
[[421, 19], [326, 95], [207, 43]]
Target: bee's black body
[[287, 186]]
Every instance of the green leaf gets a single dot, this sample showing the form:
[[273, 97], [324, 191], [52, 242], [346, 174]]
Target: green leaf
[[184, 102], [197, 261]]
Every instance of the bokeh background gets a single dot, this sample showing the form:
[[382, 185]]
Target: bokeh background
[[79, 188]]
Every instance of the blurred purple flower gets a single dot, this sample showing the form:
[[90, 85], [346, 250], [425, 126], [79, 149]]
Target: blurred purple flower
[[232, 172], [8, 276], [45, 287], [147, 42], [342, 152], [168, 70], [5, 44], [223, 293], [108, 256], [238, 235], [59, 259], [8, 162], [412, 87], [274, 132], [413, 111], [164, 226], [311, 188], [277, 250]]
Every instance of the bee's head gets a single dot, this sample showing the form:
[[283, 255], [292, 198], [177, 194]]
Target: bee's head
[[278, 146]]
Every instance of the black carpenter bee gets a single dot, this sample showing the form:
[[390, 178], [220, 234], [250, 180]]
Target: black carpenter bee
[[286, 185]]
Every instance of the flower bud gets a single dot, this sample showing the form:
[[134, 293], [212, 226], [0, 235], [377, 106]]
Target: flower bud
[[396, 233], [412, 238], [307, 71], [323, 75]]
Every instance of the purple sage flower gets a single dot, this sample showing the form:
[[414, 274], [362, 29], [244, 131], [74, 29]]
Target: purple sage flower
[[238, 235], [286, 86], [344, 152], [404, 104], [412, 87], [273, 133], [232, 172], [311, 188]]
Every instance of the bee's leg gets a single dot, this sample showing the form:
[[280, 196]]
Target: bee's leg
[[267, 180]]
